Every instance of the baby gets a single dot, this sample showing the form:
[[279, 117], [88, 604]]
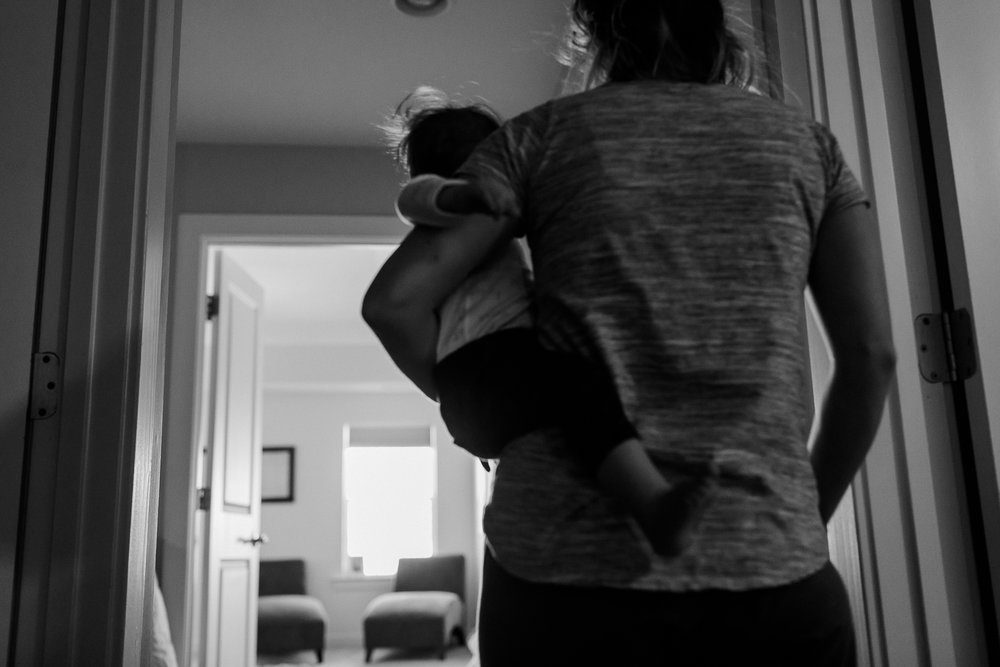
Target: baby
[[493, 379]]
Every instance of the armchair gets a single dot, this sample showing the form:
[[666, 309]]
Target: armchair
[[287, 619], [425, 609]]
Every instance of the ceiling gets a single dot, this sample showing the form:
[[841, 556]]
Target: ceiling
[[325, 73], [312, 294]]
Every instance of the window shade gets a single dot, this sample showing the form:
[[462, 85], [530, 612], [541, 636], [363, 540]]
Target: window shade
[[389, 436]]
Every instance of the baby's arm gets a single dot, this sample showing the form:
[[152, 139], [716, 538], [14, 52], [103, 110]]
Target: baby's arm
[[400, 304]]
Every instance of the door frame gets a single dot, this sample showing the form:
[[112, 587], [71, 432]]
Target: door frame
[[923, 583], [180, 537], [27, 63], [90, 471], [963, 167]]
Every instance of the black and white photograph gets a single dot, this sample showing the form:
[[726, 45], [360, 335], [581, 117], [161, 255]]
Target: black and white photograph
[[500, 333]]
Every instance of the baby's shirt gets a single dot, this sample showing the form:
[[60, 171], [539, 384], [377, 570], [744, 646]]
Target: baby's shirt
[[496, 296]]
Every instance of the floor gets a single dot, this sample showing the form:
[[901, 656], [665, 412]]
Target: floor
[[355, 657]]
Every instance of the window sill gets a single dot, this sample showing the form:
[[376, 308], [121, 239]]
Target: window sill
[[351, 579]]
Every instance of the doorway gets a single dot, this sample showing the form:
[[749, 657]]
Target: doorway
[[320, 362]]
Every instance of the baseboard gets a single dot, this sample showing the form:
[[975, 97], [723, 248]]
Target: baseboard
[[344, 640]]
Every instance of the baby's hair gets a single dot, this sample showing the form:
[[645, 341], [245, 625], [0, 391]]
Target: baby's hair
[[429, 133]]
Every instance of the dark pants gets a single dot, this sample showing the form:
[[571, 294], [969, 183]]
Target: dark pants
[[803, 624], [505, 384]]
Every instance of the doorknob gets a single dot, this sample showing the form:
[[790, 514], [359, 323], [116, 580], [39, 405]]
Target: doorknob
[[255, 539]]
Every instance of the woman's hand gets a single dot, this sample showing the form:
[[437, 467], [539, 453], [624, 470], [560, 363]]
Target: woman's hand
[[437, 201], [464, 199]]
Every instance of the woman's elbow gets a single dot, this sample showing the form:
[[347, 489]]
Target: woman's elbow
[[376, 310], [882, 358], [875, 358], [385, 310]]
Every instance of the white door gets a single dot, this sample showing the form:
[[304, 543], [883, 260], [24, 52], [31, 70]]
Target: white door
[[233, 468]]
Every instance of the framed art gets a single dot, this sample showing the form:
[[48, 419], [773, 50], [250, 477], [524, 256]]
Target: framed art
[[277, 475]]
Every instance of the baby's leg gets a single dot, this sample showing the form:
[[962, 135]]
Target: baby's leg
[[587, 402], [489, 394]]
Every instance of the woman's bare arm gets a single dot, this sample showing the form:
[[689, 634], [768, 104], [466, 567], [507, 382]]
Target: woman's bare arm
[[401, 304], [847, 282]]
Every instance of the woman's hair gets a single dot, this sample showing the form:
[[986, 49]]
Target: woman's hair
[[432, 134], [673, 40]]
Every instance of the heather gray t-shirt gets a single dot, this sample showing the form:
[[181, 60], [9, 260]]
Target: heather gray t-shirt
[[671, 228]]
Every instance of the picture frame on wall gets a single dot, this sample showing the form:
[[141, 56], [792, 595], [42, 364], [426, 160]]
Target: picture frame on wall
[[277, 475]]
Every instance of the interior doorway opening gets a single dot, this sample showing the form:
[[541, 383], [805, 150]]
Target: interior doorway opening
[[320, 364]]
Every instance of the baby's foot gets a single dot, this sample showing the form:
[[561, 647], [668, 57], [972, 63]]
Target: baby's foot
[[673, 517]]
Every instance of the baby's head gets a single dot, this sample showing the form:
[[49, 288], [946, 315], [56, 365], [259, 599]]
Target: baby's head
[[430, 134]]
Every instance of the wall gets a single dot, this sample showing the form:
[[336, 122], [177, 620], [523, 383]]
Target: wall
[[285, 180], [310, 394]]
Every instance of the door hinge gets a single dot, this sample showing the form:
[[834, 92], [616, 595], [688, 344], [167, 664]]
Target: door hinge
[[947, 349], [212, 306], [46, 385], [204, 498]]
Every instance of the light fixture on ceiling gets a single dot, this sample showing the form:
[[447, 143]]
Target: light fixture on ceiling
[[421, 7]]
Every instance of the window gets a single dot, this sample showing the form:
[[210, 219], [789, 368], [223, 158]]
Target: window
[[390, 484]]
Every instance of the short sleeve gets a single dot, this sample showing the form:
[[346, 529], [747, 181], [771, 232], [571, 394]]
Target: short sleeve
[[842, 187], [503, 162]]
